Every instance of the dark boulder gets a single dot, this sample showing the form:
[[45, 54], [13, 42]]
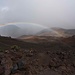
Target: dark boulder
[[20, 65], [14, 68]]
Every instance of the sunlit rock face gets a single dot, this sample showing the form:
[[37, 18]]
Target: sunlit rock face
[[18, 29]]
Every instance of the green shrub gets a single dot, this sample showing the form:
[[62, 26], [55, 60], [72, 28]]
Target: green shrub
[[15, 47]]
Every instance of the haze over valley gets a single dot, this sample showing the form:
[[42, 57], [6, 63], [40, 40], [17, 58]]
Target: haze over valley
[[16, 30], [37, 37]]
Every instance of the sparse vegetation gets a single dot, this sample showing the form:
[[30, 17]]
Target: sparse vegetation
[[15, 47], [28, 58]]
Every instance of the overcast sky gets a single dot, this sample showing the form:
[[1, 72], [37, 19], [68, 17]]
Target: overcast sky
[[52, 13]]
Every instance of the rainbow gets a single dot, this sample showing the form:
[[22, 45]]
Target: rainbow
[[14, 23], [23, 23]]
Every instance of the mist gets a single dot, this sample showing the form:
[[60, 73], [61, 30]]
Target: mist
[[49, 13], [16, 30]]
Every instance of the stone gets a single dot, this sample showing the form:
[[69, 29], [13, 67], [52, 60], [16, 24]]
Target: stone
[[14, 68], [20, 65]]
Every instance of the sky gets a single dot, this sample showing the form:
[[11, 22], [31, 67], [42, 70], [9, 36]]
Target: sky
[[51, 13]]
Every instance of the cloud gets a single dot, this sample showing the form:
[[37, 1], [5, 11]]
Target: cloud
[[54, 13], [4, 9]]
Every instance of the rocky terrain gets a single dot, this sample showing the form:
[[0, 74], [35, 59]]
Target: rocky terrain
[[51, 56]]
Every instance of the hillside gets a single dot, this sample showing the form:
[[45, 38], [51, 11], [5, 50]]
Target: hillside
[[57, 32], [16, 30], [54, 56]]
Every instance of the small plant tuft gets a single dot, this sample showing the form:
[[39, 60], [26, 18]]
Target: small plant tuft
[[15, 47]]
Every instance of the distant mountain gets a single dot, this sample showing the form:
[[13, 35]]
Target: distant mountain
[[65, 32], [19, 29], [46, 32], [57, 32], [26, 29], [9, 30], [70, 31]]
